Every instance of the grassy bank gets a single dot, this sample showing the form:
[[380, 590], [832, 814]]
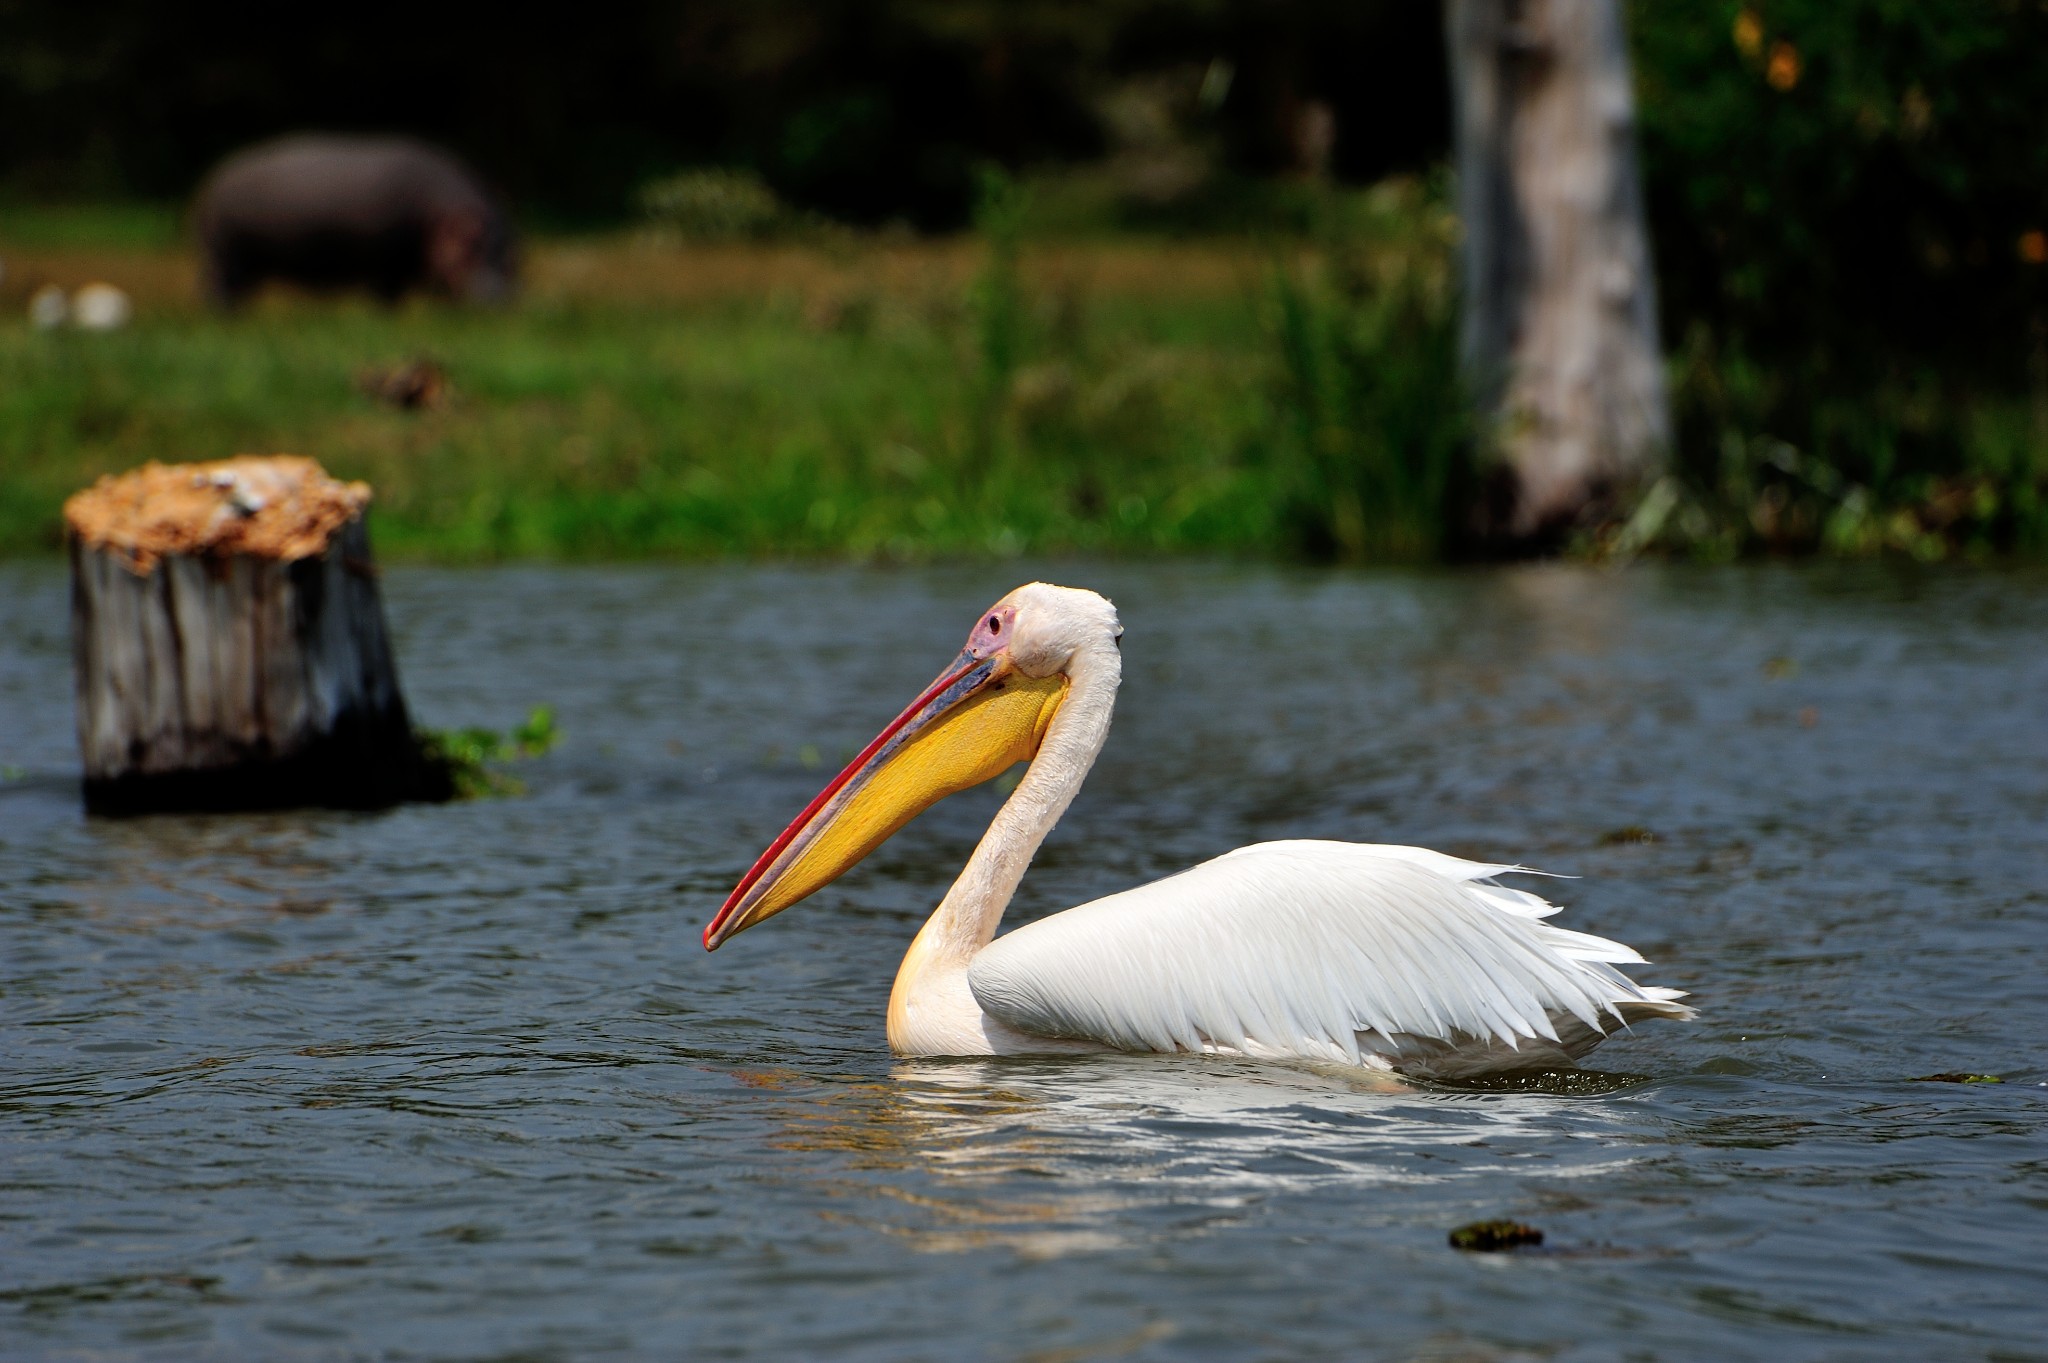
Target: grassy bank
[[993, 395], [868, 398]]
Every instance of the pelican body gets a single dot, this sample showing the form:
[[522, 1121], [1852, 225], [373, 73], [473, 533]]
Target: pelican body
[[1392, 958]]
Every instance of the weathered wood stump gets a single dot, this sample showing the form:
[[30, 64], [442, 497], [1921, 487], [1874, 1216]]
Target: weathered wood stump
[[230, 646]]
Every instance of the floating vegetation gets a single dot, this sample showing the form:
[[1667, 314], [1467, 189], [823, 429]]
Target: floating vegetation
[[1629, 835], [1562, 1083], [467, 755], [1956, 1077], [1490, 1237]]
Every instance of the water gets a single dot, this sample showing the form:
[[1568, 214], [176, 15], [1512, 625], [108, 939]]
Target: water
[[458, 1082]]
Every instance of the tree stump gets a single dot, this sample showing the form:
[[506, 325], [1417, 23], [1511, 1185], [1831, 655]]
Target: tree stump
[[229, 643], [1560, 307]]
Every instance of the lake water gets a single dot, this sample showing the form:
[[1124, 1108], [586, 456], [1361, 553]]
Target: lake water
[[459, 1082]]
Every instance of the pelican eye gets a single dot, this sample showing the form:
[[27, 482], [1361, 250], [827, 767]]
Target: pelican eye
[[995, 624]]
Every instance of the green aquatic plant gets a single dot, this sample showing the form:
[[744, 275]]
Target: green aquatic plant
[[538, 733], [1558, 1083], [468, 756], [1486, 1237]]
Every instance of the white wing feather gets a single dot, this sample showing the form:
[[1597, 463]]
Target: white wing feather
[[1323, 950]]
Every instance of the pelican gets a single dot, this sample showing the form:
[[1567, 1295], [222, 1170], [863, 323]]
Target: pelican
[[1390, 958]]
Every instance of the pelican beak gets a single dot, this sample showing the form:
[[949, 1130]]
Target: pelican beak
[[977, 720]]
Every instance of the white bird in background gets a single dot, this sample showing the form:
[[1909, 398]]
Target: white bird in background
[[1393, 958]]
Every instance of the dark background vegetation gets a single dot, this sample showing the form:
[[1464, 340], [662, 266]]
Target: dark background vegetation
[[1848, 204], [865, 110], [1847, 198]]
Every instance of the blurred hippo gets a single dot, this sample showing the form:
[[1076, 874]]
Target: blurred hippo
[[386, 214]]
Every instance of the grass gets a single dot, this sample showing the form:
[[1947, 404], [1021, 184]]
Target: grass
[[872, 398], [66, 227], [1007, 392]]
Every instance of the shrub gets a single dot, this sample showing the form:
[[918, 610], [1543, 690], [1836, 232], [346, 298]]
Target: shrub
[[1848, 200], [714, 204], [1370, 436]]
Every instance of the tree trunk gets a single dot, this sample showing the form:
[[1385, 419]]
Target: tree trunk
[[1560, 309], [230, 646]]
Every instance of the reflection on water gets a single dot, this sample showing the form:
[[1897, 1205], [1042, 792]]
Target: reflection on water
[[457, 1082], [1104, 1140]]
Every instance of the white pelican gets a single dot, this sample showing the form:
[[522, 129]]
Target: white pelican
[[1394, 958]]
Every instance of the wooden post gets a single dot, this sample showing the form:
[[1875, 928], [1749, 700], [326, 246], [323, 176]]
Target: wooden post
[[1560, 308], [230, 646]]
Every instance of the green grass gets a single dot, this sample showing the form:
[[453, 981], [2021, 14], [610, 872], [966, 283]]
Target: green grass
[[115, 226], [883, 399], [867, 421], [600, 432]]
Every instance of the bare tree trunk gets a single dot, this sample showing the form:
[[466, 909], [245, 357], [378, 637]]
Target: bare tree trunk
[[230, 644], [1560, 308]]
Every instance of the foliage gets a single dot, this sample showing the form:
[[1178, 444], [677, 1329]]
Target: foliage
[[470, 756], [714, 204], [998, 301], [1848, 202], [886, 397], [864, 110], [1370, 441]]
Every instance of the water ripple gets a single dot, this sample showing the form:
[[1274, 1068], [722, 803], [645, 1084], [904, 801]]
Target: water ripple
[[458, 1083]]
